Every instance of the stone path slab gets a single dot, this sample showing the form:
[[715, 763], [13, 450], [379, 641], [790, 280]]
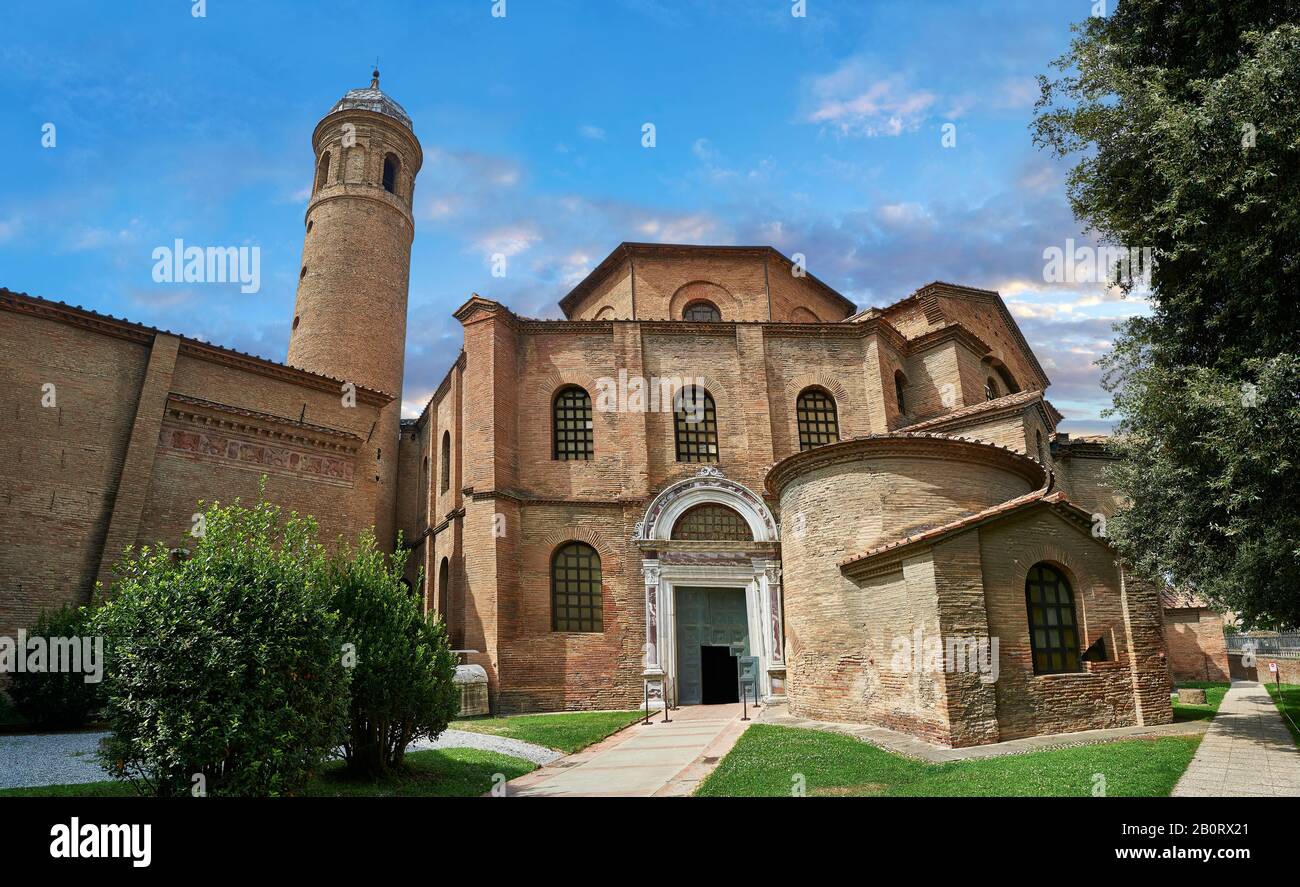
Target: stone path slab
[[658, 759], [1247, 752]]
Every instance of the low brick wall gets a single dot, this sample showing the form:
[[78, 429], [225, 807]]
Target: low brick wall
[[1288, 669]]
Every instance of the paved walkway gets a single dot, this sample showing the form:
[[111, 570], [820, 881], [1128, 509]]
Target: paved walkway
[[662, 760], [1247, 752]]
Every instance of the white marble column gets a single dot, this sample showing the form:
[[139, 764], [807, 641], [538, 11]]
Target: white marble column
[[653, 673]]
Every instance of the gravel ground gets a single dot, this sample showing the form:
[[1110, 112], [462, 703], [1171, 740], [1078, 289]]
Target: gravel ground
[[66, 758], [49, 759]]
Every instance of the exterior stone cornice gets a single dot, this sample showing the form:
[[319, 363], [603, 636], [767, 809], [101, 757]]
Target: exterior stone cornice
[[524, 499], [251, 423]]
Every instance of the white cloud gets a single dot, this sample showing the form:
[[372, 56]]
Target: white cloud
[[852, 100], [588, 131], [508, 241], [693, 228]]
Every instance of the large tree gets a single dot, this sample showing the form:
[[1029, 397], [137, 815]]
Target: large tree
[[1184, 119]]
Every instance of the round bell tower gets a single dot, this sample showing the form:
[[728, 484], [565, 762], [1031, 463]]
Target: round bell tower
[[349, 318]]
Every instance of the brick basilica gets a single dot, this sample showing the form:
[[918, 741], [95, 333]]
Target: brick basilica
[[849, 497]]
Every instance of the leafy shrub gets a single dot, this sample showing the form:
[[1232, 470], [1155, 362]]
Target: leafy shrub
[[402, 679], [9, 716], [57, 699], [226, 663]]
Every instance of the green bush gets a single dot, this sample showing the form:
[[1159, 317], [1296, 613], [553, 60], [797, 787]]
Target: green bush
[[226, 663], [63, 699], [402, 675]]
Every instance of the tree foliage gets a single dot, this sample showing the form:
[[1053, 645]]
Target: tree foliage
[[1184, 119], [403, 668], [58, 700], [224, 668]]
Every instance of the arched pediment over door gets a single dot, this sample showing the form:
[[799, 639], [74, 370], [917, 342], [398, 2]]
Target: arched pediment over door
[[709, 485]]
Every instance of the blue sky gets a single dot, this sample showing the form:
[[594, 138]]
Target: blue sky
[[820, 135]]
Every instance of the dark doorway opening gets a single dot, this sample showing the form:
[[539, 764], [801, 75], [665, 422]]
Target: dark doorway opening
[[718, 673]]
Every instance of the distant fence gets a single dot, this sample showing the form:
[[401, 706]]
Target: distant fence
[[1284, 645]]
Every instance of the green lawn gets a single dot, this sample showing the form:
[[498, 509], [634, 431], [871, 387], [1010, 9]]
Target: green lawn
[[567, 732], [773, 761], [1288, 702], [1214, 693], [434, 773]]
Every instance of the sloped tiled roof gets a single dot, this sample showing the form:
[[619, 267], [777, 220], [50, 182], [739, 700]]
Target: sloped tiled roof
[[976, 410]]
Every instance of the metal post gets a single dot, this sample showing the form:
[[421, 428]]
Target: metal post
[[756, 705], [647, 704], [666, 720], [744, 702]]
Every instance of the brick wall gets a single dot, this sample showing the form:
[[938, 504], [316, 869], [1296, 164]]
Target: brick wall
[[1197, 648], [1129, 688], [147, 425], [59, 465]]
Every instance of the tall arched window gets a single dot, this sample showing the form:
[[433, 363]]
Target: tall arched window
[[818, 422], [571, 425], [576, 603], [443, 592], [323, 172], [900, 384], [695, 423], [711, 522], [391, 166], [424, 485], [702, 311], [446, 461], [1053, 632]]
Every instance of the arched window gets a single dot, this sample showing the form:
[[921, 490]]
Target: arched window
[[990, 389], [695, 422], [446, 461], [443, 592], [900, 383], [818, 423], [711, 522], [701, 311], [575, 589], [1053, 634], [391, 166], [571, 425], [1008, 381], [322, 172]]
